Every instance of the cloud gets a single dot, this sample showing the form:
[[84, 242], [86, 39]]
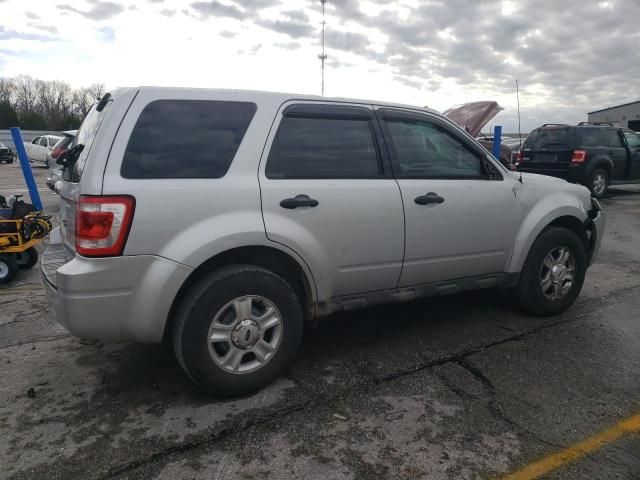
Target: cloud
[[294, 24], [167, 12], [47, 28], [99, 10], [9, 34], [216, 9]]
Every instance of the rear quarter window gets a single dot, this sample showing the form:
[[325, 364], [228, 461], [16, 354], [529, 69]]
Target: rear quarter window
[[186, 139]]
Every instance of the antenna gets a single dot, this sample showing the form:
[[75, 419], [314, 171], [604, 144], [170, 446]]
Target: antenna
[[519, 132], [323, 56], [518, 99]]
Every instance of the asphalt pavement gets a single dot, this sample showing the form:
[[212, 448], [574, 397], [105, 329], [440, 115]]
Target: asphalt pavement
[[458, 387]]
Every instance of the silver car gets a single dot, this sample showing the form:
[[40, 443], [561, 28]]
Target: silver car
[[223, 220]]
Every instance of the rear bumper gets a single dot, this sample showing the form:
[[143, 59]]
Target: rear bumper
[[596, 224], [119, 298]]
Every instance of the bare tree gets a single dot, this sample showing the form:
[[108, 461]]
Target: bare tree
[[96, 91], [7, 89], [26, 94], [48, 102]]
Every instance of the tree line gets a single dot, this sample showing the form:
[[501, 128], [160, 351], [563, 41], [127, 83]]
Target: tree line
[[34, 104]]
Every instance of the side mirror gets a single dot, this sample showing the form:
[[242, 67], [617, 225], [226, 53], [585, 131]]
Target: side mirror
[[512, 167]]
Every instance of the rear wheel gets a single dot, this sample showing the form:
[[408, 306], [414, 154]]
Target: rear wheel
[[553, 273], [8, 268], [27, 259], [599, 182], [237, 329]]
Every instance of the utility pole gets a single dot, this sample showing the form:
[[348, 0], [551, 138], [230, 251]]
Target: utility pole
[[322, 56]]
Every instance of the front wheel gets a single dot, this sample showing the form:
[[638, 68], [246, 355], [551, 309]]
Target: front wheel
[[8, 268], [553, 273], [237, 329], [598, 182]]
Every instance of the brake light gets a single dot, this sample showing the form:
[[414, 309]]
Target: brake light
[[519, 156], [102, 224], [56, 152], [579, 156]]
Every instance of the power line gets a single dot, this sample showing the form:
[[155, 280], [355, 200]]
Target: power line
[[322, 56]]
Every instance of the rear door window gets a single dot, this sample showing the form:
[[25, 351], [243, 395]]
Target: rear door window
[[610, 138], [590, 137], [186, 139], [307, 147]]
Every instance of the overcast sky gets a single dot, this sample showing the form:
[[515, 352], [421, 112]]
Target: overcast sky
[[570, 56]]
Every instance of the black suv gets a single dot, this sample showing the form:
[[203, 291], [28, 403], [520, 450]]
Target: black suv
[[593, 154]]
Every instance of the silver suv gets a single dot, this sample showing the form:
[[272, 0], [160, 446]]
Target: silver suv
[[223, 220]]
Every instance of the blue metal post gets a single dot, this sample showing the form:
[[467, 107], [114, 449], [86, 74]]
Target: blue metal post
[[26, 168], [497, 140]]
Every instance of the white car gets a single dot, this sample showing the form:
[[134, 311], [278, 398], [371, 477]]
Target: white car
[[39, 147]]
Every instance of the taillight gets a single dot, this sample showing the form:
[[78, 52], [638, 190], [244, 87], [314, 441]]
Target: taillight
[[56, 152], [102, 225], [519, 156], [579, 156]]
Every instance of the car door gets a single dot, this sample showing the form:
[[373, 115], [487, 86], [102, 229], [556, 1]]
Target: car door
[[31, 148], [611, 141], [41, 149], [460, 208], [327, 195], [632, 141]]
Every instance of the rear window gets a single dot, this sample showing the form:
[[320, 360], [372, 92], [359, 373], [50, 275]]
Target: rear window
[[550, 138], [86, 135], [186, 139], [64, 142]]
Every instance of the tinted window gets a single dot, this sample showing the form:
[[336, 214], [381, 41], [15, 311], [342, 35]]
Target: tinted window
[[590, 137], [610, 138], [427, 150], [323, 148], [85, 136], [549, 137], [633, 140], [186, 139]]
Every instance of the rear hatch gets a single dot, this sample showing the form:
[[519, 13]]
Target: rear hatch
[[69, 190], [548, 149]]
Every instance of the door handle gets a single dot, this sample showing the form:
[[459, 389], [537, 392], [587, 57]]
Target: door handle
[[299, 201], [429, 198]]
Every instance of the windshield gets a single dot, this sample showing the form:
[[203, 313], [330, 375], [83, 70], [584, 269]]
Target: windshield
[[86, 135], [549, 138]]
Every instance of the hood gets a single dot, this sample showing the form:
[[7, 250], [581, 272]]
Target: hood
[[473, 116]]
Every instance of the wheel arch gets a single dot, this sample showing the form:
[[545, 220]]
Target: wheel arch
[[271, 258], [570, 215]]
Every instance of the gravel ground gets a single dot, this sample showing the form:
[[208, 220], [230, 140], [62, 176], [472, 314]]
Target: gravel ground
[[459, 387]]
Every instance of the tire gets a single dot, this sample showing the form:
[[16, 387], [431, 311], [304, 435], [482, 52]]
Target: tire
[[531, 293], [209, 309], [27, 259], [8, 268], [599, 182]]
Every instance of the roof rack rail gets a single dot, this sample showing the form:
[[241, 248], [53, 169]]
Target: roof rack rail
[[555, 125], [608, 124]]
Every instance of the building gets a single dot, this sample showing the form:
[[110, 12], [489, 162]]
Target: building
[[625, 115]]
